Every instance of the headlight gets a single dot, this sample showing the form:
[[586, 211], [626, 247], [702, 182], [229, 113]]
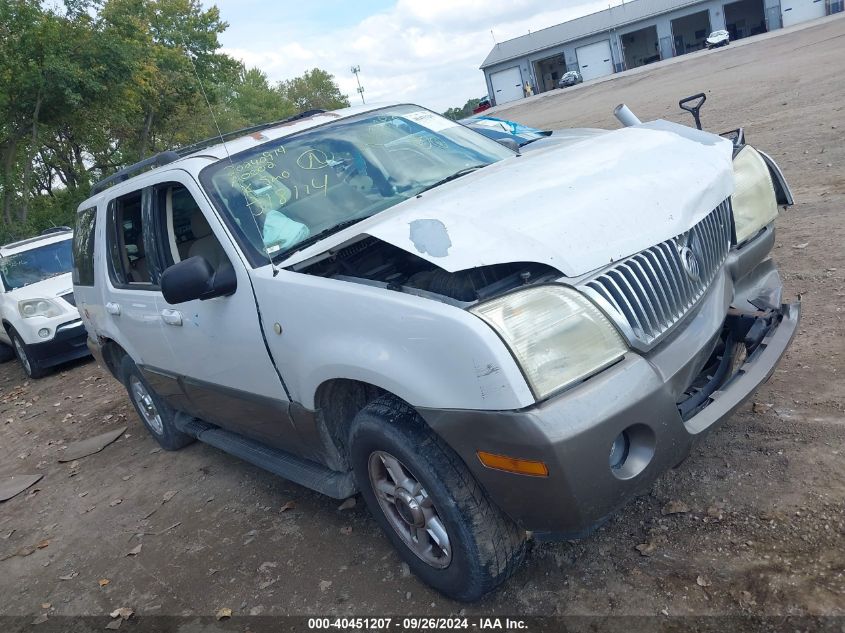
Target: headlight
[[753, 201], [556, 334], [38, 307]]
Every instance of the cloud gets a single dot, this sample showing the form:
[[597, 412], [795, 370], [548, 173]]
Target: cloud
[[423, 52]]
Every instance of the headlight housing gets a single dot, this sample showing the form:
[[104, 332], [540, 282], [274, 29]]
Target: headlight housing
[[754, 203], [556, 334], [38, 307]]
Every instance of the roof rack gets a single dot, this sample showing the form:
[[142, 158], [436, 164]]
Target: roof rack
[[215, 140], [163, 158]]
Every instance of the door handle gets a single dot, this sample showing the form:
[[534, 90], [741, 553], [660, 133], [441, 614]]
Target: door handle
[[113, 308], [171, 317]]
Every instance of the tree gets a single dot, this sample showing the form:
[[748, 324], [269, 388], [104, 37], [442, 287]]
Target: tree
[[462, 113], [252, 100], [88, 90], [315, 89]]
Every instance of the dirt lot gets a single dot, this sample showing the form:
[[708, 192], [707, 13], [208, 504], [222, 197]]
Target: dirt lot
[[765, 528]]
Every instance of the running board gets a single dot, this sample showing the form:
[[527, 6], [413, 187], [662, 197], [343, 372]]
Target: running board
[[301, 471]]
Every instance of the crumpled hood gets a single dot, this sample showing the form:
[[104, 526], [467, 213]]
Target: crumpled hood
[[576, 206]]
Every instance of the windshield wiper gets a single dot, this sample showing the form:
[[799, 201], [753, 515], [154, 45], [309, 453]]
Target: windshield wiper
[[455, 176], [308, 241]]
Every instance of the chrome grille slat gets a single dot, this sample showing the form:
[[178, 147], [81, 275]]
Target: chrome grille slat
[[648, 311], [662, 302], [671, 283], [648, 293]]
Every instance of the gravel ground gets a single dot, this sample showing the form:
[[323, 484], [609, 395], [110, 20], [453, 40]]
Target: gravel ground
[[761, 529]]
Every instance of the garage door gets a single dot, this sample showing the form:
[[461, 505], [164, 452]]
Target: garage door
[[795, 11], [595, 60], [507, 85]]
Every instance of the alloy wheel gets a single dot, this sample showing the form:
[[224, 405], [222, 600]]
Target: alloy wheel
[[146, 405], [409, 509]]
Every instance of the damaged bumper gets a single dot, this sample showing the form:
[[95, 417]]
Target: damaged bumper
[[653, 407]]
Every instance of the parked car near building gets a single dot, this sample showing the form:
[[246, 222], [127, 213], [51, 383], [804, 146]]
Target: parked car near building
[[41, 325], [498, 129], [483, 105], [570, 78], [481, 343], [717, 39]]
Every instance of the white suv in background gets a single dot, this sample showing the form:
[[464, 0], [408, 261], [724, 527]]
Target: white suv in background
[[41, 325]]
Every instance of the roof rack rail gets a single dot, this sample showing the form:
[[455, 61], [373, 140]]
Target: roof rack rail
[[214, 140], [163, 158]]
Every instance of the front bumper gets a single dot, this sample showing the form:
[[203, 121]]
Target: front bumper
[[69, 343], [573, 432]]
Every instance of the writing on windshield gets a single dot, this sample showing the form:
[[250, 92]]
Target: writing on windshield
[[286, 191], [36, 264]]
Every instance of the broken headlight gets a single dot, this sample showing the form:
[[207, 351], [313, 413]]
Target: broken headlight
[[754, 203], [557, 335]]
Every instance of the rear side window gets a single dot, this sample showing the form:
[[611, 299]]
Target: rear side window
[[83, 247]]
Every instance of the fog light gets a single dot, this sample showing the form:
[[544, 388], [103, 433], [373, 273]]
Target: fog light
[[44, 332], [619, 450]]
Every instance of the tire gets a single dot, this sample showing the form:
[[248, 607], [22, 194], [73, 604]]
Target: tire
[[31, 366], [484, 546], [7, 353], [154, 412]]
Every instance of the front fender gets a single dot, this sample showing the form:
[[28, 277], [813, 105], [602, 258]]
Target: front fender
[[428, 353]]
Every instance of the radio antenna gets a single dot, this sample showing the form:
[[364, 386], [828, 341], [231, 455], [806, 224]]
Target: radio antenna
[[222, 140]]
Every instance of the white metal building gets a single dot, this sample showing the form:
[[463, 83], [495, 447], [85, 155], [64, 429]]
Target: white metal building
[[633, 34]]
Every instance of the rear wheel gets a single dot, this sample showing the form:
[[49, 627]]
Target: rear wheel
[[30, 365], [156, 414], [429, 505]]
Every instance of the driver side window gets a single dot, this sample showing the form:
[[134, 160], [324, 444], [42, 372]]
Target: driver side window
[[183, 228]]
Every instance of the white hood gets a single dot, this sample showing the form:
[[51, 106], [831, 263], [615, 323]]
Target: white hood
[[45, 289], [575, 207]]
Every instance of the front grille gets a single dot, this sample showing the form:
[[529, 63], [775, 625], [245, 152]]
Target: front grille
[[648, 293], [69, 298]]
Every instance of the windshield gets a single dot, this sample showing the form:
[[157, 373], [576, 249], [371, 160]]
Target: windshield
[[290, 192], [37, 264]]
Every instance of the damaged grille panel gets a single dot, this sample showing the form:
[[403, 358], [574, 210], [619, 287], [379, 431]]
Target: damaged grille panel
[[648, 293]]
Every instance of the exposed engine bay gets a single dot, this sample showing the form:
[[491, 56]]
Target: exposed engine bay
[[375, 262]]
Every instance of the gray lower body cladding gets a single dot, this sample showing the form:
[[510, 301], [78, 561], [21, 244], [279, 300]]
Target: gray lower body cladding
[[573, 432]]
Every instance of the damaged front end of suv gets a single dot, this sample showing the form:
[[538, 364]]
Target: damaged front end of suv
[[482, 342], [629, 363]]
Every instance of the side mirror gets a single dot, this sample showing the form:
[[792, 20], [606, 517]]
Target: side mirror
[[509, 143], [194, 278]]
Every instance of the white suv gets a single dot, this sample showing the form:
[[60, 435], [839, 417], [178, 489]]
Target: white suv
[[41, 324], [482, 343]]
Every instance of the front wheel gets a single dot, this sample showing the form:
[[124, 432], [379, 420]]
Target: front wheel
[[30, 365], [429, 505]]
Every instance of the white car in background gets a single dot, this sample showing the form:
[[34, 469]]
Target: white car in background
[[41, 325], [717, 39]]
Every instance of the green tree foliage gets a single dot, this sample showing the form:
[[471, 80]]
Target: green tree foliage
[[104, 83], [315, 89], [464, 112]]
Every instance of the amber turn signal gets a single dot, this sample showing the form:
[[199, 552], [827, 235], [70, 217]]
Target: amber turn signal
[[513, 464]]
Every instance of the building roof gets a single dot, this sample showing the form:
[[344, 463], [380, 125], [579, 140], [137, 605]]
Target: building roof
[[611, 18]]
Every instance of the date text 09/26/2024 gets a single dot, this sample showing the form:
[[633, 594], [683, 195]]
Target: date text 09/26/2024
[[418, 623]]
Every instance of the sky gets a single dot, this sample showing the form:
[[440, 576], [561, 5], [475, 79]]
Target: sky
[[420, 51]]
